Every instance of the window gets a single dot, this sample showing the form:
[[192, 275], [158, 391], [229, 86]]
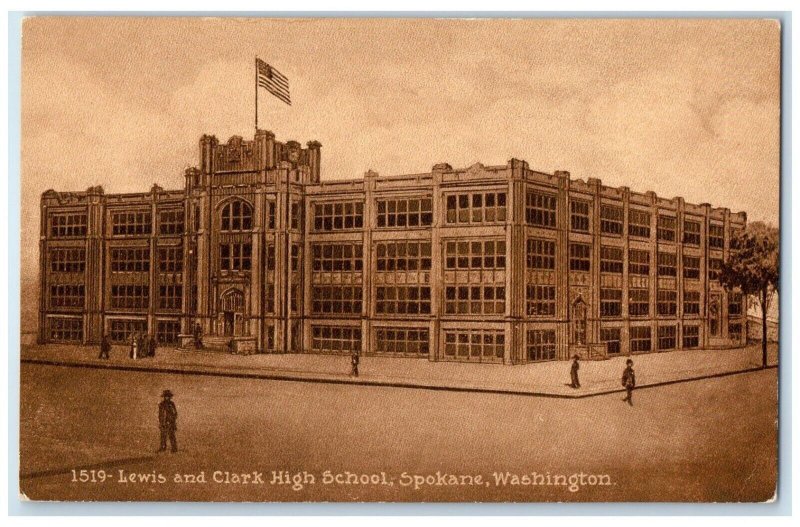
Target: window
[[237, 216], [639, 223], [296, 215], [72, 295], [611, 260], [541, 344], [667, 303], [405, 212], [269, 298], [578, 321], [475, 300], [167, 331], [691, 232], [121, 331], [235, 256], [735, 331], [691, 267], [691, 302], [66, 329], [67, 260], [734, 304], [403, 256], [667, 264], [170, 259], [667, 337], [638, 302], [477, 207], [346, 257], [611, 338], [611, 220], [131, 223], [541, 254], [638, 262], [65, 225], [130, 296], [270, 214], [476, 254], [610, 302], [130, 259], [404, 342], [336, 299], [691, 336], [403, 300], [580, 257], [714, 267], [540, 209], [478, 345], [270, 263], [170, 221], [716, 236], [541, 300], [335, 339], [295, 257], [579, 216], [339, 216], [666, 228], [170, 296], [640, 339]]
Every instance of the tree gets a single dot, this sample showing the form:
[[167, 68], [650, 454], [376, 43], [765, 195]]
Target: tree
[[753, 268]]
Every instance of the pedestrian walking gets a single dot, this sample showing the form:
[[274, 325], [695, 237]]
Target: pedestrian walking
[[354, 360], [573, 373], [629, 381], [167, 422], [105, 347]]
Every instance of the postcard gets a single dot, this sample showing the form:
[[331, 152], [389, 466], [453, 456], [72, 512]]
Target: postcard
[[399, 260]]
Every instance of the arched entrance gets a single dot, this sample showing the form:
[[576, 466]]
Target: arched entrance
[[578, 321], [232, 310]]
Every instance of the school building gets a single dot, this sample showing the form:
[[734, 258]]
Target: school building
[[498, 264]]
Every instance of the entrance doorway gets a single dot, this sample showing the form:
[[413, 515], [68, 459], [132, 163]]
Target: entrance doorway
[[232, 308]]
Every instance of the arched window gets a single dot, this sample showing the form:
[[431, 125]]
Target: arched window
[[578, 317], [237, 216]]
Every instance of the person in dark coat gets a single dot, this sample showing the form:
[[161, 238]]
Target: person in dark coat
[[105, 347], [573, 373], [198, 336], [167, 422], [151, 348], [354, 360], [629, 381], [144, 346]]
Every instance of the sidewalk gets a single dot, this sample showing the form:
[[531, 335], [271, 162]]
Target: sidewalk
[[548, 379]]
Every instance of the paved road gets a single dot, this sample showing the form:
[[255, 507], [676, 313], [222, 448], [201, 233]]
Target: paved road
[[711, 440]]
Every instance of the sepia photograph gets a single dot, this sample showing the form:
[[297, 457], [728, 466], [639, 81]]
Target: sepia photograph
[[511, 260]]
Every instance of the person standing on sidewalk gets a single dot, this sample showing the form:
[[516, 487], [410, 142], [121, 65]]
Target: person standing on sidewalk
[[354, 360], [152, 346], [134, 346], [167, 422], [105, 347], [573, 373], [629, 381]]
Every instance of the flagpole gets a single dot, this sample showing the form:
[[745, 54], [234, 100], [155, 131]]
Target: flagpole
[[256, 89]]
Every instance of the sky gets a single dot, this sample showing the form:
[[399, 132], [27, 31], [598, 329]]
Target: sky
[[682, 107]]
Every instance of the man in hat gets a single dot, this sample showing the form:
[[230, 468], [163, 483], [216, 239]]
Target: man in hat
[[629, 381], [167, 421], [354, 359], [573, 373], [105, 347]]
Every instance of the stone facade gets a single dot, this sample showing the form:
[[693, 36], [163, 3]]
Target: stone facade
[[482, 264]]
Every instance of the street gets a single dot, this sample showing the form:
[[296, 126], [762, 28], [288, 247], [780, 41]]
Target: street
[[710, 440]]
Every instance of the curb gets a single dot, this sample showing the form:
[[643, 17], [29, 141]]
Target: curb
[[365, 382]]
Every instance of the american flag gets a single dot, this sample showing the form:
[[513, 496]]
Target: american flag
[[273, 80]]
